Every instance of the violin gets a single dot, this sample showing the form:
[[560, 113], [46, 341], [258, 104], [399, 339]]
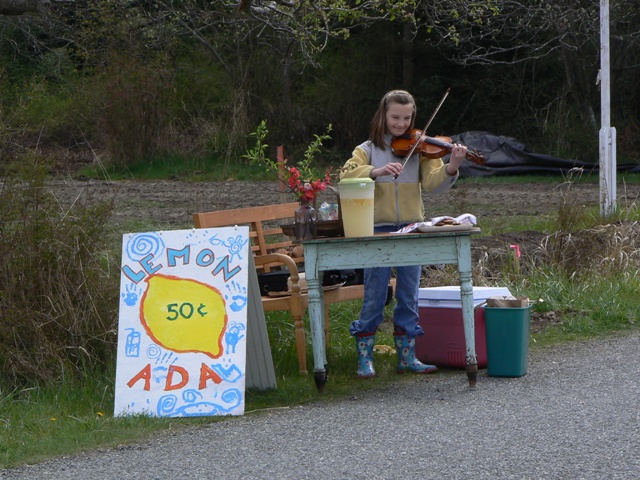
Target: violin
[[431, 147]]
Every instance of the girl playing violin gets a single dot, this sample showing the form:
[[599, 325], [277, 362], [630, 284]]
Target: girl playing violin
[[397, 203]]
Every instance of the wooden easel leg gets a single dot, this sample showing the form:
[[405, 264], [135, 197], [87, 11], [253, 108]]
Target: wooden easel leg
[[301, 344]]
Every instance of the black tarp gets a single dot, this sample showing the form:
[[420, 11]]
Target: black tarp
[[507, 156]]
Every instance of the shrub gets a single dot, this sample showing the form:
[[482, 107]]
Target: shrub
[[134, 117], [57, 290]]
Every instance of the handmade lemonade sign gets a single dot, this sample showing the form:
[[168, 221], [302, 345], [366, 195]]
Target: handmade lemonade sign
[[183, 321]]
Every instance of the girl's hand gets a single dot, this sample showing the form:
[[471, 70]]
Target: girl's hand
[[394, 168], [458, 154]]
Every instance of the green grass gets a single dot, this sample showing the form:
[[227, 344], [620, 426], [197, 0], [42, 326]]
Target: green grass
[[592, 307], [622, 179], [41, 423], [176, 167], [539, 223], [208, 168], [37, 423]]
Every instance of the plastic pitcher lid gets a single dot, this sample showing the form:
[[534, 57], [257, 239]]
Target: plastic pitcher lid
[[353, 181]]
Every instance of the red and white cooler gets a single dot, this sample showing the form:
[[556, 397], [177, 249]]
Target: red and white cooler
[[443, 342]]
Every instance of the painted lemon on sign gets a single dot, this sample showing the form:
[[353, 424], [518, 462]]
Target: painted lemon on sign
[[184, 315]]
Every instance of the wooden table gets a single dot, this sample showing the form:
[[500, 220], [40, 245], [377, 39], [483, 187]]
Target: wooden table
[[392, 250]]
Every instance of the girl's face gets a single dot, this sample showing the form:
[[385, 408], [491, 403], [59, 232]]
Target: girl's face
[[398, 118]]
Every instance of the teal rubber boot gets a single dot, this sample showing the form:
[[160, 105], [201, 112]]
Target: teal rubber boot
[[364, 346], [407, 361]]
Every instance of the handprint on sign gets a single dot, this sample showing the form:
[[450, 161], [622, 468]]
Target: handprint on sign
[[238, 296], [131, 294]]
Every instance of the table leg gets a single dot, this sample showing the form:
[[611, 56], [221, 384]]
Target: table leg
[[466, 298], [316, 317]]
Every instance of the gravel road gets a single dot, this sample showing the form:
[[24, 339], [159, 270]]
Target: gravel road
[[574, 415]]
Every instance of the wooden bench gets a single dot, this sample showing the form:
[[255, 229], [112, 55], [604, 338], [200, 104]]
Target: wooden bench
[[267, 239]]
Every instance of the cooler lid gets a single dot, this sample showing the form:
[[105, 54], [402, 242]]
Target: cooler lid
[[453, 293]]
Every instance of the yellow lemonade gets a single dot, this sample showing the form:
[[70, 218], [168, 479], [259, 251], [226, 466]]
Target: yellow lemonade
[[357, 216]]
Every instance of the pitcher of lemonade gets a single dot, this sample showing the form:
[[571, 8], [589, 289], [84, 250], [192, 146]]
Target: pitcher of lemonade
[[356, 204]]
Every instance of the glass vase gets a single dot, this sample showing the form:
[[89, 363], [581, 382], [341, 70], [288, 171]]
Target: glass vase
[[305, 221]]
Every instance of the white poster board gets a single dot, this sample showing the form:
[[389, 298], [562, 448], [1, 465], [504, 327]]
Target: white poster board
[[183, 323]]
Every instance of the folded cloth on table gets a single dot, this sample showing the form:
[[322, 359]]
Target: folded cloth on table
[[464, 219]]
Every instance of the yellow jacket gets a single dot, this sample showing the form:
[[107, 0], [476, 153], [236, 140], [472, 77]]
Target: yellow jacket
[[398, 201]]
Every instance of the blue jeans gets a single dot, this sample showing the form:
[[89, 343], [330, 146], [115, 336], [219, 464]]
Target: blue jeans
[[405, 313]]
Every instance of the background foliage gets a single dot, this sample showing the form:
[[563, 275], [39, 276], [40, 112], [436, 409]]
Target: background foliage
[[137, 80]]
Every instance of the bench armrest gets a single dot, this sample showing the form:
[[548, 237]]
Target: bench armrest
[[296, 298]]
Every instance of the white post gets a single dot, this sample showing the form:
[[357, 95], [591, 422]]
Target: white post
[[607, 138]]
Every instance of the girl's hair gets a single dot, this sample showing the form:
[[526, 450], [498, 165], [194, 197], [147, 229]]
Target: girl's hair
[[379, 122]]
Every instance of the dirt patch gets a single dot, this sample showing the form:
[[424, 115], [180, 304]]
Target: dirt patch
[[169, 205]]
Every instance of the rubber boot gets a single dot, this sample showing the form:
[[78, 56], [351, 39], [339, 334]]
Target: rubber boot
[[407, 361], [364, 347]]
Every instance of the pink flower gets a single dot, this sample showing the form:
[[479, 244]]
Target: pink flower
[[306, 189]]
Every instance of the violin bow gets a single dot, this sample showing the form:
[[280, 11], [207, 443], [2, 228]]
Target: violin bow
[[433, 115]]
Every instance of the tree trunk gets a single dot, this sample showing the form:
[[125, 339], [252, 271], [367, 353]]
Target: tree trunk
[[18, 7]]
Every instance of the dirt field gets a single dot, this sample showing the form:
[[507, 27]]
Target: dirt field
[[168, 205]]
